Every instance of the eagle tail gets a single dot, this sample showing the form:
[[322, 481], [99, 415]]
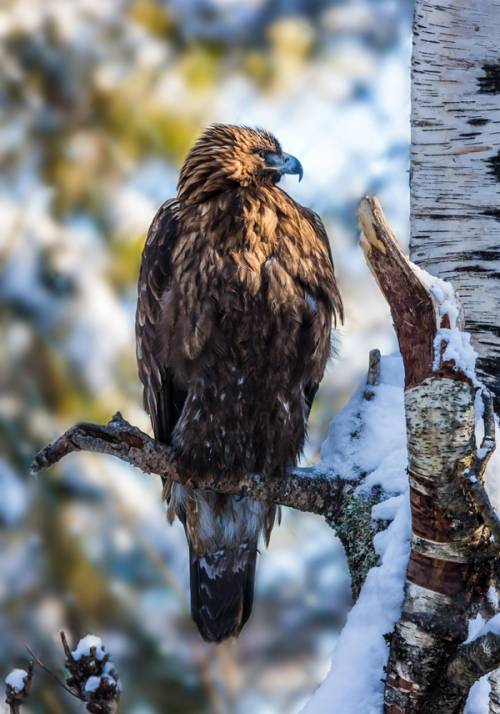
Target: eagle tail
[[222, 585]]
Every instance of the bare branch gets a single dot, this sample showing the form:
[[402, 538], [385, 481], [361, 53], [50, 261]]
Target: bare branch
[[306, 489], [473, 487], [488, 442], [49, 671], [494, 680]]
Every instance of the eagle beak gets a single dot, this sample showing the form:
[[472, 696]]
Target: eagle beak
[[285, 164]]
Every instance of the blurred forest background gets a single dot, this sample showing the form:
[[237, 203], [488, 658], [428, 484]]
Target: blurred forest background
[[99, 102]]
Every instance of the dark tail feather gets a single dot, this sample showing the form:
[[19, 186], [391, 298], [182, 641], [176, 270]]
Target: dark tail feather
[[222, 584]]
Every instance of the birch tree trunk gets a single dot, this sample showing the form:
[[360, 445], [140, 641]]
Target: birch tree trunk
[[455, 162]]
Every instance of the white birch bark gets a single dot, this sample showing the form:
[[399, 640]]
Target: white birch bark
[[455, 161]]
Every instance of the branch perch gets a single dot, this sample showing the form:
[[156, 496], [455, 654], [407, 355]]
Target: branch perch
[[306, 489], [314, 489]]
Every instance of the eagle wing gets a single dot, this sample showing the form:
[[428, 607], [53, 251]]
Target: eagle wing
[[163, 397], [334, 299], [320, 230]]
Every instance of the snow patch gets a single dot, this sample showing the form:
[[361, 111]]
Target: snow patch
[[16, 679], [369, 436], [492, 626], [367, 432], [451, 344], [355, 682], [458, 349], [93, 683], [85, 645]]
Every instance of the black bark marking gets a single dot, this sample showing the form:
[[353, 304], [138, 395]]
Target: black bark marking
[[471, 269], [487, 366], [485, 327], [478, 121], [493, 212], [494, 165], [490, 83], [480, 255]]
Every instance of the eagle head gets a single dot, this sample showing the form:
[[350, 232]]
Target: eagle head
[[227, 156]]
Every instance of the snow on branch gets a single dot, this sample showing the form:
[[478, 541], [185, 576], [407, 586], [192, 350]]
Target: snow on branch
[[17, 688], [92, 678]]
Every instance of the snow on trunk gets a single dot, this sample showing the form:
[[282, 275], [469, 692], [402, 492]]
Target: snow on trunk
[[455, 162]]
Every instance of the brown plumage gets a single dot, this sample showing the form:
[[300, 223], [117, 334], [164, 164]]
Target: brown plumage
[[237, 295]]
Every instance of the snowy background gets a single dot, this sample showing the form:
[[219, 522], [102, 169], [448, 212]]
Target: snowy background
[[99, 102]]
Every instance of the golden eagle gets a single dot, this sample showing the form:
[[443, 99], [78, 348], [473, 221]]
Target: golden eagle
[[237, 295]]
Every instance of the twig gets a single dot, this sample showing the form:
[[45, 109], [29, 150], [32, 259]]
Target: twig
[[49, 671], [92, 680], [488, 442]]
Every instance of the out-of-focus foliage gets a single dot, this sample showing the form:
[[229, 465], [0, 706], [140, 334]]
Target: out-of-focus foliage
[[99, 102]]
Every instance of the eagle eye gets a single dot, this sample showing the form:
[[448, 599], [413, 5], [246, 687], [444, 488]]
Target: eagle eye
[[262, 153]]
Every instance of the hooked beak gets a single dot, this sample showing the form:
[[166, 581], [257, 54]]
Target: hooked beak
[[285, 164]]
